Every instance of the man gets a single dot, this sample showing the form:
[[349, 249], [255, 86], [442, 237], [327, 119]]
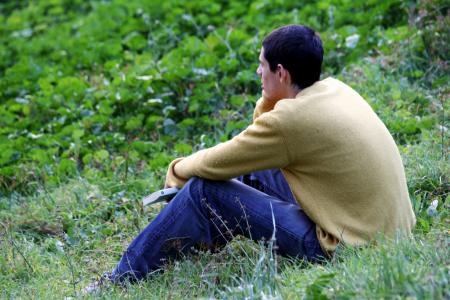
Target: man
[[317, 162]]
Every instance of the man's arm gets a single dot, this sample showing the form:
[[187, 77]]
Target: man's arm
[[260, 146], [262, 106]]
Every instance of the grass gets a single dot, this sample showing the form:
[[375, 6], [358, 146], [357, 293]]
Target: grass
[[416, 268], [55, 242]]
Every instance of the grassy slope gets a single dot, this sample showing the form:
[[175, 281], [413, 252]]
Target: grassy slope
[[38, 265], [53, 242], [56, 241]]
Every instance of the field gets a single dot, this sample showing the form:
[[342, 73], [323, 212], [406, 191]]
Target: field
[[97, 97]]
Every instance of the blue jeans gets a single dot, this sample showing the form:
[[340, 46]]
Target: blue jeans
[[208, 213]]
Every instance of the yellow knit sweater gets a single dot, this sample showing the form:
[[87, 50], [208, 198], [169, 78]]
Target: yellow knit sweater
[[338, 157]]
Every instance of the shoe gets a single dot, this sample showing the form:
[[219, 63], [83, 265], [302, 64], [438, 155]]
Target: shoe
[[98, 285]]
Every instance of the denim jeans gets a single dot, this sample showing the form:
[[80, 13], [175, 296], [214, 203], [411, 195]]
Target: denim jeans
[[209, 213]]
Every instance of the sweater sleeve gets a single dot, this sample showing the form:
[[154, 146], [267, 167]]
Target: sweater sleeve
[[260, 146], [262, 106]]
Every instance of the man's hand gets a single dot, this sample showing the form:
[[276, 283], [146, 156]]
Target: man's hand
[[172, 180]]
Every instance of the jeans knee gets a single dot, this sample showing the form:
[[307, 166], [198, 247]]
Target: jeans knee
[[194, 189], [202, 191], [193, 185]]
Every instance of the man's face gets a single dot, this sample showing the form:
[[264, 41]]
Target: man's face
[[270, 82]]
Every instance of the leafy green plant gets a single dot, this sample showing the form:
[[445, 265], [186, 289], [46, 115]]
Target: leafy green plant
[[130, 70], [97, 97]]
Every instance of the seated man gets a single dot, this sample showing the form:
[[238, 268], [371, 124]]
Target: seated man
[[316, 168]]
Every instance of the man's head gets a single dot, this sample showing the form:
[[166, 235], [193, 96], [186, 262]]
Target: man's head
[[290, 54]]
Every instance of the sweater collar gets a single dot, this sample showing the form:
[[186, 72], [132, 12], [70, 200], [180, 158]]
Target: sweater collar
[[313, 88]]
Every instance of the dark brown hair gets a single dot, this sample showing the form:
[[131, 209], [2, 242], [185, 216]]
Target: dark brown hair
[[299, 50]]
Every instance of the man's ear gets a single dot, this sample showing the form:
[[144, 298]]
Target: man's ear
[[283, 74]]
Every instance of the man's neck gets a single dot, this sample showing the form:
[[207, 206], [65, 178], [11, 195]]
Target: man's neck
[[293, 91]]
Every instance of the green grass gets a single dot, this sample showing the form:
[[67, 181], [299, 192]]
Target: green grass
[[415, 268], [69, 208], [56, 240], [96, 87], [53, 243]]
